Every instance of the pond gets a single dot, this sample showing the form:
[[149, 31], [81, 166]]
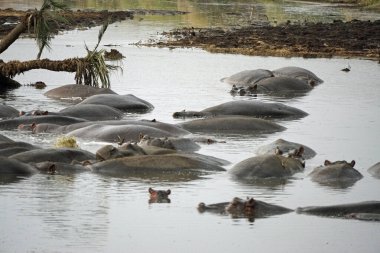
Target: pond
[[92, 213]]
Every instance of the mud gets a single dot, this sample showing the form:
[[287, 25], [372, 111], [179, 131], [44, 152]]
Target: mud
[[353, 39]]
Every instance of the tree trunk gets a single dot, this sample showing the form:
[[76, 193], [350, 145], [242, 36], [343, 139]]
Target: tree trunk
[[12, 68], [13, 35]]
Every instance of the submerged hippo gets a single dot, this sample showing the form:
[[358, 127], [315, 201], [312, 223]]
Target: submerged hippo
[[339, 173], [76, 92], [374, 170], [176, 143], [11, 124], [176, 166], [110, 152], [299, 73], [232, 124], [267, 167], [126, 103], [280, 84], [286, 147], [238, 208], [7, 111], [252, 108], [92, 112], [117, 133], [10, 148], [159, 196], [247, 77], [64, 155], [372, 207], [59, 168], [11, 166]]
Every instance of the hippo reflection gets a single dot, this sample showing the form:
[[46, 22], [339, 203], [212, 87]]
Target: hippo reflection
[[239, 208], [337, 174], [159, 196]]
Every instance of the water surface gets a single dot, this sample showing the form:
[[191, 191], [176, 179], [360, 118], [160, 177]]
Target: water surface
[[92, 213]]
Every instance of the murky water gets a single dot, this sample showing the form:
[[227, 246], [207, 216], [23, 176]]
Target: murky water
[[92, 213]]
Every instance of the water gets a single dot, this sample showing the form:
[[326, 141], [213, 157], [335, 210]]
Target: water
[[92, 213]]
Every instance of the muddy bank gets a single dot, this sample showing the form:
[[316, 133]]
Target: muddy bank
[[79, 19], [356, 39]]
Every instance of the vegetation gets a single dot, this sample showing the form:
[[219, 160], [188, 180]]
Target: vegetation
[[66, 142], [91, 70]]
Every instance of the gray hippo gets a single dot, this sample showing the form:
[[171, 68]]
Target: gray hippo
[[159, 196], [54, 128], [299, 73], [336, 174], [117, 133], [10, 148], [372, 207], [111, 152], [11, 166], [126, 103], [374, 170], [286, 147], [92, 112], [176, 143], [11, 124], [164, 167], [59, 168], [266, 167], [7, 111], [64, 155], [247, 77], [232, 124], [280, 84], [76, 92], [252, 108], [239, 208]]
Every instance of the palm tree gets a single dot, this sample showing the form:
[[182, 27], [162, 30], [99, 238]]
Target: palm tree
[[90, 70]]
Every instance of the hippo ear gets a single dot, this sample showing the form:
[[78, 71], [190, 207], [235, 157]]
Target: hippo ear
[[52, 169], [33, 126], [168, 192], [278, 151], [300, 151], [141, 136], [151, 191], [250, 202], [21, 113], [254, 88], [327, 162], [45, 113], [352, 163]]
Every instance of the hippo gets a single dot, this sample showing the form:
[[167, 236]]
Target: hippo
[[252, 108], [336, 174], [64, 155], [10, 148], [110, 152], [159, 196], [125, 103], [164, 167], [59, 168], [374, 170], [247, 77], [343, 210], [116, 133], [299, 73], [76, 92], [249, 208], [176, 143], [11, 124], [281, 84], [35, 113], [267, 167], [92, 112], [11, 166], [232, 124], [285, 147], [7, 111]]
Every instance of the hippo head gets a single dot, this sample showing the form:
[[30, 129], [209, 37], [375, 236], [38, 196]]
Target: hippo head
[[328, 163], [157, 142], [27, 127], [241, 207], [159, 196], [47, 167]]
